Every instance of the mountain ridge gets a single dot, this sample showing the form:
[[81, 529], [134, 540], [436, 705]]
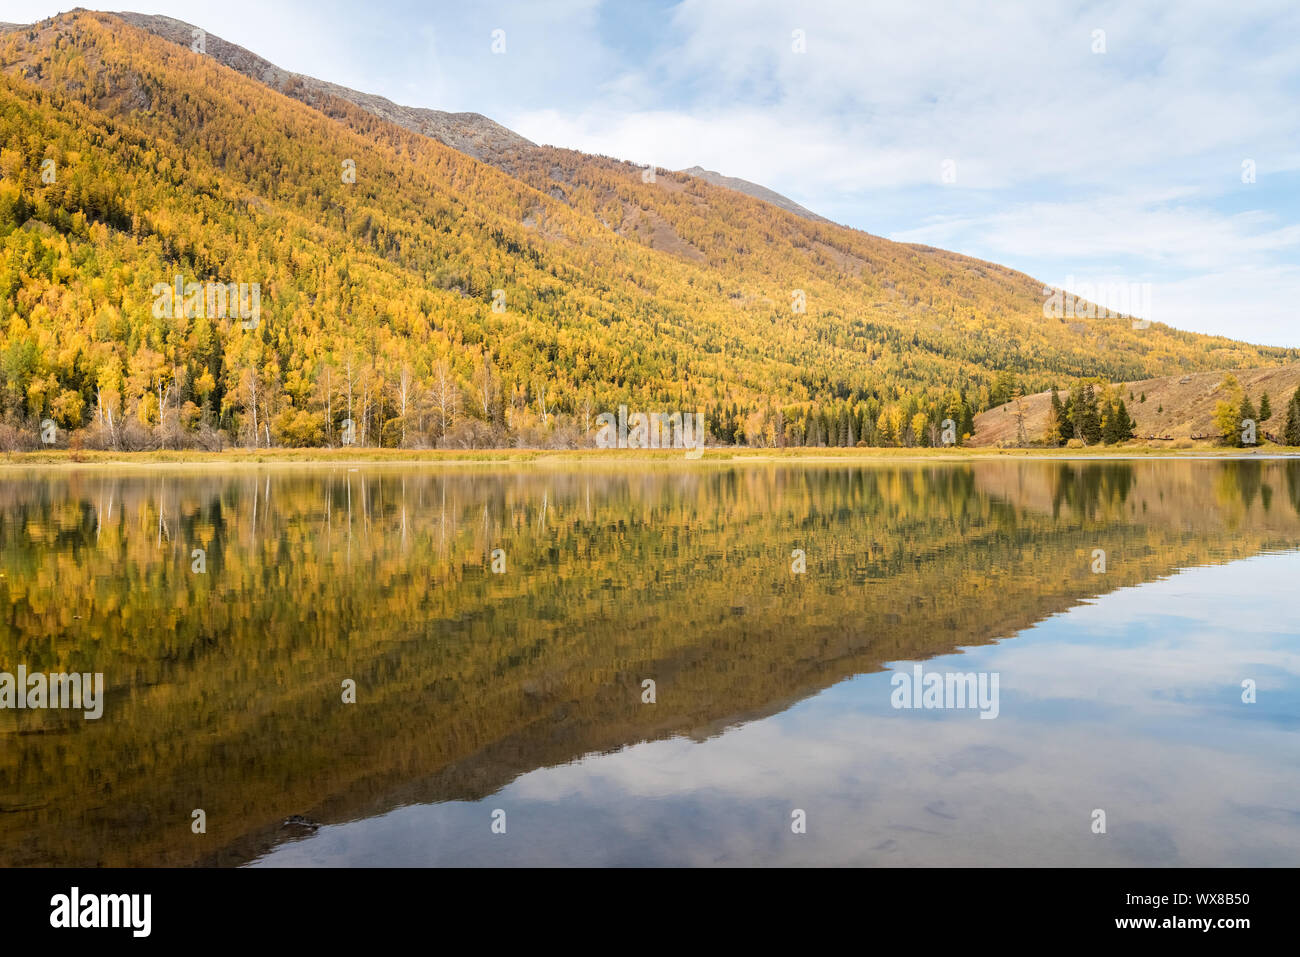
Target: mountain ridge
[[471, 133]]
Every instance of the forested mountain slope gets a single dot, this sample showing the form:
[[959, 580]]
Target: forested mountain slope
[[437, 299]]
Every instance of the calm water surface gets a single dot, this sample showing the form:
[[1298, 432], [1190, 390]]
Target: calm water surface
[[1121, 605]]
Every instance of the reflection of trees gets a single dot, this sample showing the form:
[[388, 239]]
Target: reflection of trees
[[224, 687], [1085, 490], [1293, 484], [1238, 485]]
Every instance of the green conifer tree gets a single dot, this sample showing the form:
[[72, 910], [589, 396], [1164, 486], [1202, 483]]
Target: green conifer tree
[[1291, 434], [1246, 413]]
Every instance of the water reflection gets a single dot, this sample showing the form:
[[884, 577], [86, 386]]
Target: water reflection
[[522, 690]]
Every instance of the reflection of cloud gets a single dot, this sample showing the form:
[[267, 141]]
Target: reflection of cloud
[[980, 759], [1180, 783], [1168, 636]]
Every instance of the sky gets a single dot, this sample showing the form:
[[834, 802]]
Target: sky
[[1130, 145]]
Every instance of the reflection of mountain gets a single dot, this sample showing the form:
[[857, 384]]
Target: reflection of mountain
[[225, 687]]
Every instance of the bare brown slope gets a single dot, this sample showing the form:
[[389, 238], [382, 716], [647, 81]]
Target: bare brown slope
[[1176, 407]]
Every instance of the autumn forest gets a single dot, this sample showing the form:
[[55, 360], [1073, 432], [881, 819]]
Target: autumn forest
[[409, 295]]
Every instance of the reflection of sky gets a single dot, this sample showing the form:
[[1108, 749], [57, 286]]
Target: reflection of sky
[[1131, 704]]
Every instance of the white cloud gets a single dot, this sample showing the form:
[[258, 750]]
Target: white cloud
[[1209, 271], [1067, 162]]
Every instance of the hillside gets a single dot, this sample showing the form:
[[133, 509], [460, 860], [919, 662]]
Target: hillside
[[440, 299], [1175, 408]]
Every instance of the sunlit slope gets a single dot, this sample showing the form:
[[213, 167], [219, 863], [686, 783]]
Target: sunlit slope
[[672, 293], [1172, 408]]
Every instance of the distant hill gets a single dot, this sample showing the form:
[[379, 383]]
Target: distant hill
[[466, 287], [1176, 407]]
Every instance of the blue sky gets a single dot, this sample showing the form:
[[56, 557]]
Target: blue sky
[[1122, 166]]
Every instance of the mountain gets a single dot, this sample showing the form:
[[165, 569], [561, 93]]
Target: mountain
[[753, 189], [433, 297]]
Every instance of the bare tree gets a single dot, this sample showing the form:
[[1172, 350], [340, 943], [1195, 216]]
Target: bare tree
[[251, 387], [485, 386], [445, 398], [351, 421], [541, 403], [404, 397], [365, 406], [106, 416]]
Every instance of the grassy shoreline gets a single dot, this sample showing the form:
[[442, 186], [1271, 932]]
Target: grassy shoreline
[[596, 457]]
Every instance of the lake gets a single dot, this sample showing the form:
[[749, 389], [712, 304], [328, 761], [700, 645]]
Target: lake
[[981, 662]]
